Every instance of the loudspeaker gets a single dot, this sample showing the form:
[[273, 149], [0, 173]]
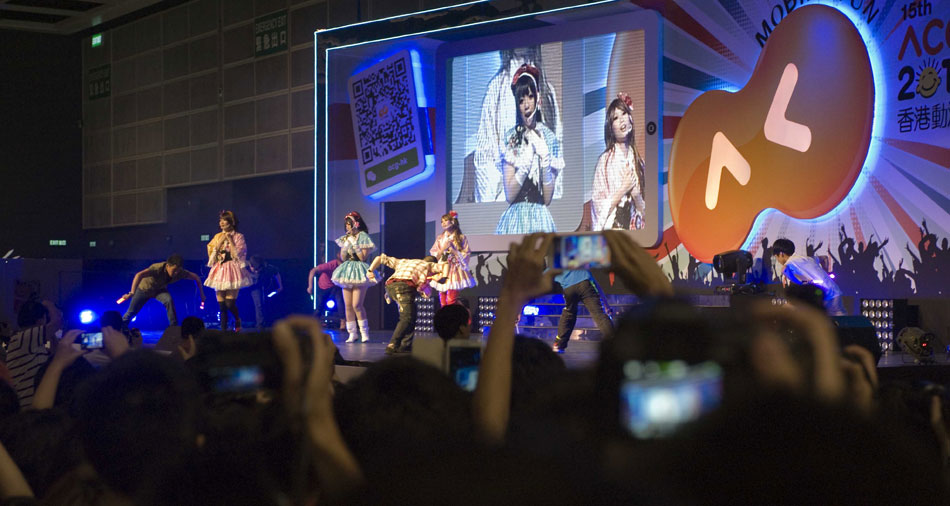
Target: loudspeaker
[[403, 236], [858, 330]]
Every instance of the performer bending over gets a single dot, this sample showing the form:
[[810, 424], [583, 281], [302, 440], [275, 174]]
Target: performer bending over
[[355, 245], [452, 247], [152, 283], [411, 276], [579, 286], [802, 270], [226, 257]]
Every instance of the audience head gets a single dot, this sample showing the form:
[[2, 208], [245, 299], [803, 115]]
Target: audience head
[[32, 313], [400, 409], [191, 327], [137, 416], [452, 322], [43, 444], [111, 319]]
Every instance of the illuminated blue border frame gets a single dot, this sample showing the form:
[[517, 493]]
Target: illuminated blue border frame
[[325, 98]]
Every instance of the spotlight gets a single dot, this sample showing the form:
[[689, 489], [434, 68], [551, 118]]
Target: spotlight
[[733, 262], [917, 342], [331, 304], [87, 316], [531, 311]]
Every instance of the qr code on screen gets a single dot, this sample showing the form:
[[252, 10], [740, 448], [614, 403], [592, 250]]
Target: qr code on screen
[[383, 106]]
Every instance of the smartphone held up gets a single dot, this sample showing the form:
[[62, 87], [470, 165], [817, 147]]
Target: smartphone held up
[[580, 251]]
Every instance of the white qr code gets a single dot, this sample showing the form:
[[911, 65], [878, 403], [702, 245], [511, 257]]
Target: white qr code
[[384, 108], [386, 122]]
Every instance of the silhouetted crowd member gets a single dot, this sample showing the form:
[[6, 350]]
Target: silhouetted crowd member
[[757, 405], [452, 322]]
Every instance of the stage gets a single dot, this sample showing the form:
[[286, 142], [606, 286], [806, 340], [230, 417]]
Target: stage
[[894, 365]]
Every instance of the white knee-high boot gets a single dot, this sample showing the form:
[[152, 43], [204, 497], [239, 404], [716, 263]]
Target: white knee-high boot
[[351, 329], [364, 330]]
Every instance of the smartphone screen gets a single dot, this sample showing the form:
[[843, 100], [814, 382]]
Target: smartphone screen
[[657, 397], [587, 251], [90, 340], [236, 379], [463, 365]]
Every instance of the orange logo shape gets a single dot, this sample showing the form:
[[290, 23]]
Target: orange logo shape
[[793, 138]]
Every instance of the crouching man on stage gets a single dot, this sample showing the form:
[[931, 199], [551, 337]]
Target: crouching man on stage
[[412, 276], [800, 270], [153, 283]]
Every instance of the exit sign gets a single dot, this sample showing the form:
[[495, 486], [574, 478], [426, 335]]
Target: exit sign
[[97, 40]]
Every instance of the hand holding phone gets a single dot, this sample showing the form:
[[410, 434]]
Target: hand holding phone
[[91, 341], [657, 397], [580, 251], [462, 358]]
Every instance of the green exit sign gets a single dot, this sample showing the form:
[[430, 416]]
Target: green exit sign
[[205, 237], [57, 242], [97, 40]]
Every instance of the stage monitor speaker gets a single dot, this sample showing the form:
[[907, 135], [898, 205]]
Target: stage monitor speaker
[[858, 330], [403, 236]]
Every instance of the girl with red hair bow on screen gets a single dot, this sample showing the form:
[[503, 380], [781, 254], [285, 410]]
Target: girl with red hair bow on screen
[[355, 246], [532, 161], [451, 247], [227, 253], [617, 193]]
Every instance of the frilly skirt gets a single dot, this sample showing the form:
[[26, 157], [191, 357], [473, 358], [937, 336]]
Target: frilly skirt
[[351, 274], [228, 276], [458, 279], [525, 218]]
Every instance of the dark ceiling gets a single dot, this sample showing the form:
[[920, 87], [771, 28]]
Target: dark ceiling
[[65, 17]]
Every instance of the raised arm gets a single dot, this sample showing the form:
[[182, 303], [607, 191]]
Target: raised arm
[[525, 280], [45, 395]]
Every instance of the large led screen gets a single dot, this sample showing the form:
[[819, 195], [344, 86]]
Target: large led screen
[[555, 129]]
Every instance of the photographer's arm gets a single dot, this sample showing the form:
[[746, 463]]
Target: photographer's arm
[[45, 395], [525, 280], [12, 482], [308, 392], [636, 267]]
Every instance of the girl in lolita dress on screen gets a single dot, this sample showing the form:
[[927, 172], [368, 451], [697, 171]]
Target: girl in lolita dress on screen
[[532, 162], [617, 193]]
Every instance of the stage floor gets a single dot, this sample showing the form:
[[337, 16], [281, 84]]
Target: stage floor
[[581, 354]]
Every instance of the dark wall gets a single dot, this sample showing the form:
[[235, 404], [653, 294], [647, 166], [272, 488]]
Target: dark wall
[[40, 146], [275, 214]]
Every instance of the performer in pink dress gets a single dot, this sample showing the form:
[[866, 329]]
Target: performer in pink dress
[[451, 247], [227, 252]]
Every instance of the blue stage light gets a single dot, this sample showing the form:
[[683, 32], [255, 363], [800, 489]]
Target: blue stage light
[[87, 316], [531, 311], [331, 304]]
